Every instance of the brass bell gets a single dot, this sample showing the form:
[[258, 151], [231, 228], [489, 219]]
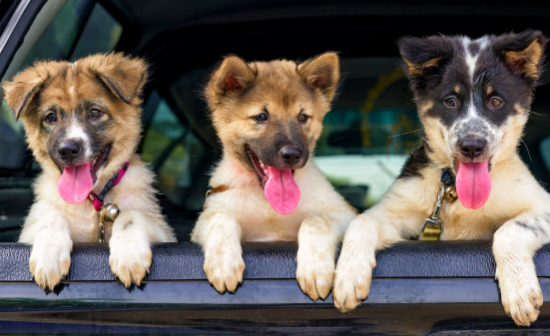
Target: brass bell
[[110, 212], [450, 194]]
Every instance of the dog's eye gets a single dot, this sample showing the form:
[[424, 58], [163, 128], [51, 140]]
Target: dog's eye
[[95, 114], [451, 102], [496, 102], [303, 118], [261, 118], [51, 118]]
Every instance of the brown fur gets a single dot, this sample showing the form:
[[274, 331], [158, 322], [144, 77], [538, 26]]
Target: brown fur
[[277, 87], [526, 60], [112, 83], [236, 93], [515, 215]]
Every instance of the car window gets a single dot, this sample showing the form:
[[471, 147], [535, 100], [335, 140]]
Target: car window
[[101, 34], [175, 154], [371, 129], [79, 28], [366, 137]]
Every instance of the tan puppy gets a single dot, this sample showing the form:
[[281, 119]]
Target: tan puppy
[[82, 122], [473, 98], [266, 187]]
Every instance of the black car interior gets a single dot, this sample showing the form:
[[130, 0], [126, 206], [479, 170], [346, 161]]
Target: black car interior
[[372, 127], [441, 288]]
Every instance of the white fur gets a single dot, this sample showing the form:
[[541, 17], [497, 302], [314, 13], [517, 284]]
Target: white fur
[[471, 60], [53, 225], [515, 197], [242, 213], [76, 132]]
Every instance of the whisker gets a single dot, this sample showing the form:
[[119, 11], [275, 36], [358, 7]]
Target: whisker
[[527, 149], [396, 135], [538, 114]]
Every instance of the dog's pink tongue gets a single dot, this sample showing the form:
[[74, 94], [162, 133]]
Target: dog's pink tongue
[[75, 183], [473, 184], [281, 190]]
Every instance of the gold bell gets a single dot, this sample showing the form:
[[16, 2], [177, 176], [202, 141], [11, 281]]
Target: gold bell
[[450, 194], [110, 212]]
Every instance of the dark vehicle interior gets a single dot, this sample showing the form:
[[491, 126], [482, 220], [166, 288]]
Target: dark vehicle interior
[[366, 138]]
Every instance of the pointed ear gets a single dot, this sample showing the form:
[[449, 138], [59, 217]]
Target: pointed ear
[[424, 57], [233, 76], [523, 53], [123, 75], [322, 72], [20, 93]]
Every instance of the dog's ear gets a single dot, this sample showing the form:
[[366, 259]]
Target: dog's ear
[[322, 72], [20, 93], [522, 53], [424, 57], [232, 77], [123, 75]]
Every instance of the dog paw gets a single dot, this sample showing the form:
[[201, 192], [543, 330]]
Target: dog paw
[[224, 270], [521, 297], [130, 260], [50, 262], [314, 275], [351, 284]]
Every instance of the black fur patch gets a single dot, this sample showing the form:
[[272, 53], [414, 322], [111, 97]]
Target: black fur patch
[[474, 48], [535, 227], [452, 70], [417, 161]]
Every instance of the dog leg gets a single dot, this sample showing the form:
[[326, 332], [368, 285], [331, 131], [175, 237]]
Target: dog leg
[[363, 238], [220, 238], [514, 245], [49, 233], [131, 254], [317, 241]]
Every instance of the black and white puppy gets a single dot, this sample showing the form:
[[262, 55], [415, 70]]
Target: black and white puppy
[[473, 99]]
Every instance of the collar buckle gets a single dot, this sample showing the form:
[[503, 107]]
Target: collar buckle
[[110, 211], [433, 226]]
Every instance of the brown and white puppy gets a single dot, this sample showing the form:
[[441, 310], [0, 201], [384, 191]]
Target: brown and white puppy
[[473, 98], [82, 123], [266, 187]]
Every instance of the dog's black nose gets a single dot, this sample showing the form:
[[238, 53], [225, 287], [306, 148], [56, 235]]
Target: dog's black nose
[[472, 147], [69, 150], [291, 155]]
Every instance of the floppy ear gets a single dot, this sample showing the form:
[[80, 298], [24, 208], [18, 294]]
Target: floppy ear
[[20, 93], [322, 72], [424, 57], [123, 75], [233, 76], [523, 53]]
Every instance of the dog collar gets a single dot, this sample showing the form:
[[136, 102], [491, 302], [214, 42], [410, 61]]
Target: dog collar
[[213, 190], [98, 200], [433, 226], [216, 190]]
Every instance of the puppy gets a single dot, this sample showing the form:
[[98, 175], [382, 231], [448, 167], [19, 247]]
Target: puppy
[[82, 123], [473, 99], [266, 187]]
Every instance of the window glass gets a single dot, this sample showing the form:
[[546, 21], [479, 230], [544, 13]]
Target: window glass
[[545, 152], [370, 131], [101, 34], [56, 41], [172, 150], [366, 137]]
